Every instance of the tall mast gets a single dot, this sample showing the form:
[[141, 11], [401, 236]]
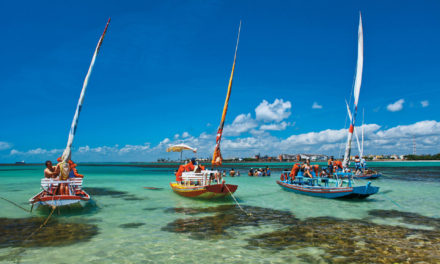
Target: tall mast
[[68, 151], [217, 157], [357, 88]]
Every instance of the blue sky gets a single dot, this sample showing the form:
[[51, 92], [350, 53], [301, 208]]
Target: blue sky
[[164, 66]]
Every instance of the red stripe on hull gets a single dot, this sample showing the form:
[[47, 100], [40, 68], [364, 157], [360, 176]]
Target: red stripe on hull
[[207, 191]]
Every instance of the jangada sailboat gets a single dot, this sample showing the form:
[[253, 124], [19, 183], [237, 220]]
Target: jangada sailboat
[[339, 187], [361, 171], [66, 189], [194, 180]]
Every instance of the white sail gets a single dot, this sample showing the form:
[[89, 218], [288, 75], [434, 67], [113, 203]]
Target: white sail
[[360, 63], [357, 88], [68, 151]]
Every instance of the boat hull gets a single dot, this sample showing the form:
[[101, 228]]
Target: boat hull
[[368, 176], [330, 192], [45, 200], [213, 191]]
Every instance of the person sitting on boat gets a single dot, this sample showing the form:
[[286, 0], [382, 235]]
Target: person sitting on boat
[[232, 172], [330, 165], [337, 166], [50, 171], [357, 164], [363, 164], [306, 168], [324, 173]]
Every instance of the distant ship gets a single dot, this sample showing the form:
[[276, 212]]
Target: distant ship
[[20, 162]]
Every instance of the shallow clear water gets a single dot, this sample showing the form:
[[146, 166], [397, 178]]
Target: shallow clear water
[[147, 214]]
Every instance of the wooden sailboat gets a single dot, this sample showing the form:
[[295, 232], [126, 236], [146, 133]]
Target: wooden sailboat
[[361, 171], [194, 180], [66, 189], [339, 187]]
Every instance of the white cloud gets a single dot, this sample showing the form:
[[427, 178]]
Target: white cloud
[[241, 124], [424, 103], [5, 145], [185, 134], [396, 106], [422, 128], [316, 105], [395, 140], [275, 127], [35, 152], [165, 141], [277, 111]]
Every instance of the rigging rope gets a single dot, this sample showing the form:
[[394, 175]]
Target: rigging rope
[[239, 206]]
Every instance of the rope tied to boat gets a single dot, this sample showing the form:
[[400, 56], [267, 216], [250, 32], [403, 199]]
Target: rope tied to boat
[[13, 203], [239, 206]]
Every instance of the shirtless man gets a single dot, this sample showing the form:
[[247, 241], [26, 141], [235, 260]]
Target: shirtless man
[[51, 171]]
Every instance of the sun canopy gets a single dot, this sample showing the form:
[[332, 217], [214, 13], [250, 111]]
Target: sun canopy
[[180, 148]]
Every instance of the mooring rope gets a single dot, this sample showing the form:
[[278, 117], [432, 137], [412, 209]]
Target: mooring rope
[[241, 208], [13, 203], [391, 200]]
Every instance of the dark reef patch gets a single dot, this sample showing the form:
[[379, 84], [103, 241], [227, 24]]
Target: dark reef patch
[[101, 191], [407, 217], [151, 208], [427, 174], [357, 241], [227, 216], [131, 225], [344, 240], [14, 231]]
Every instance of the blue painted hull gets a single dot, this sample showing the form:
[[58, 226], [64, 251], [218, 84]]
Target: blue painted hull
[[330, 192], [368, 176]]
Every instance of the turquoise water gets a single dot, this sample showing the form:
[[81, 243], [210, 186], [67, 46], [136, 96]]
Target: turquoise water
[[151, 235]]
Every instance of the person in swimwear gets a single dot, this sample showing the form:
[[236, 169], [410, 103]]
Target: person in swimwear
[[306, 167], [50, 171]]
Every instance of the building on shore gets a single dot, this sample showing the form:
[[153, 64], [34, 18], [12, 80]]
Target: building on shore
[[302, 156]]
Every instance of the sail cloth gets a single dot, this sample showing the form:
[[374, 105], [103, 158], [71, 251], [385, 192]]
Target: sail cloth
[[180, 148], [360, 63], [357, 89], [68, 151], [217, 156]]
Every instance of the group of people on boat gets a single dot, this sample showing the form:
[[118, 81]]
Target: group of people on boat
[[261, 172], [312, 171], [333, 167], [60, 172]]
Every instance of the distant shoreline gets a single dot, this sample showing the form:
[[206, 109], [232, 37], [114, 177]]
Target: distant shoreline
[[160, 164]]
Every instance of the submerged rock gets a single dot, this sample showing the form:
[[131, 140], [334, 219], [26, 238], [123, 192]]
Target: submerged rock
[[16, 232], [355, 241], [131, 225], [102, 191], [407, 217], [227, 216], [344, 241]]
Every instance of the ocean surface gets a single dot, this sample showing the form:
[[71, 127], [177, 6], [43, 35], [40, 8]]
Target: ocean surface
[[130, 224]]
